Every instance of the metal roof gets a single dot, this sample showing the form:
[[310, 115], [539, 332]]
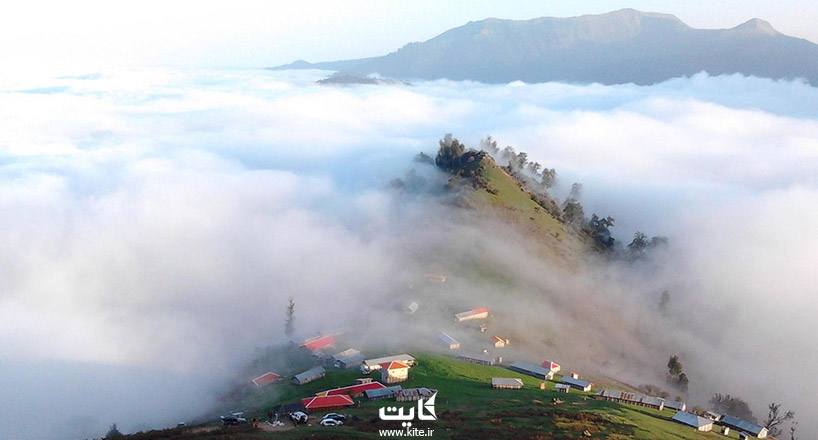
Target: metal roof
[[381, 360], [631, 397], [350, 356], [526, 368], [575, 382], [691, 419], [506, 381], [446, 339], [309, 374], [381, 392], [743, 425], [482, 357], [672, 404]]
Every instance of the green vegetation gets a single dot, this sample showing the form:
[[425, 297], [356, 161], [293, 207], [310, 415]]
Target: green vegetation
[[467, 408]]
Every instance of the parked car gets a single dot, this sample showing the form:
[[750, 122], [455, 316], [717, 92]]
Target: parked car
[[232, 419], [299, 417], [331, 422], [335, 416]]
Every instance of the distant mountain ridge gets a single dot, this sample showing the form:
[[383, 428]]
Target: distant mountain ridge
[[618, 47]]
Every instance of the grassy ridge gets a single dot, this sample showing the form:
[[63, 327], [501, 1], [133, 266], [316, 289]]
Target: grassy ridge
[[468, 408]]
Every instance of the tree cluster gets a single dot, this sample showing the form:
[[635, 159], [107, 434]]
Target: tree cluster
[[735, 406], [641, 245], [675, 375]]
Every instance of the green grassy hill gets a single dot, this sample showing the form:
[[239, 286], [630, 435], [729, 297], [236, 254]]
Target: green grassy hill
[[467, 408], [494, 194]]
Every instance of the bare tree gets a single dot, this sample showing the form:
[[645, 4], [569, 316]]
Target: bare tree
[[775, 419], [792, 431]]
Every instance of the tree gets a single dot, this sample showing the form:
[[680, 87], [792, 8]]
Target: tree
[[289, 324], [664, 301], [674, 367], [534, 167], [775, 419], [576, 191], [489, 145], [522, 159], [424, 158], [640, 242], [448, 156], [549, 177], [113, 432], [658, 241], [572, 213], [735, 406], [792, 431], [683, 382]]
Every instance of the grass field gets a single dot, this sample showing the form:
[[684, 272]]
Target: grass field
[[468, 408]]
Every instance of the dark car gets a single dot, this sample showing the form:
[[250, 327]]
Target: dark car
[[232, 419], [335, 416]]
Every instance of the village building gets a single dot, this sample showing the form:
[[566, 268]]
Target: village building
[[481, 313], [371, 365], [308, 376], [448, 341], [582, 385], [352, 390], [499, 342], [532, 370], [318, 343], [562, 388], [327, 403], [412, 307], [482, 359], [382, 393], [745, 426], [413, 394], [674, 405], [630, 398], [692, 420], [265, 379], [394, 372], [553, 366], [349, 358], [506, 383], [714, 416]]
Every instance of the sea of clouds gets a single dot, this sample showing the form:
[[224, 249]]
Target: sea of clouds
[[154, 222]]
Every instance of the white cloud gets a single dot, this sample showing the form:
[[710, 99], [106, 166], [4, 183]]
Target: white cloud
[[169, 209]]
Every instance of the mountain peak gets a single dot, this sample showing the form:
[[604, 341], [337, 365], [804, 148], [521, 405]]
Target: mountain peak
[[756, 25]]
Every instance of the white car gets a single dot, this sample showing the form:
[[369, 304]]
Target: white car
[[299, 417], [331, 422]]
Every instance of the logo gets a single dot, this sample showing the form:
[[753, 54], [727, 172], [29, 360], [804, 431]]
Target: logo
[[426, 411]]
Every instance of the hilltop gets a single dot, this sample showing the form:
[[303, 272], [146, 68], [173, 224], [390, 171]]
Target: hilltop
[[508, 203], [467, 407], [626, 46]]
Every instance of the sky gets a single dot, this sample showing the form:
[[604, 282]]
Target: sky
[[93, 34]]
